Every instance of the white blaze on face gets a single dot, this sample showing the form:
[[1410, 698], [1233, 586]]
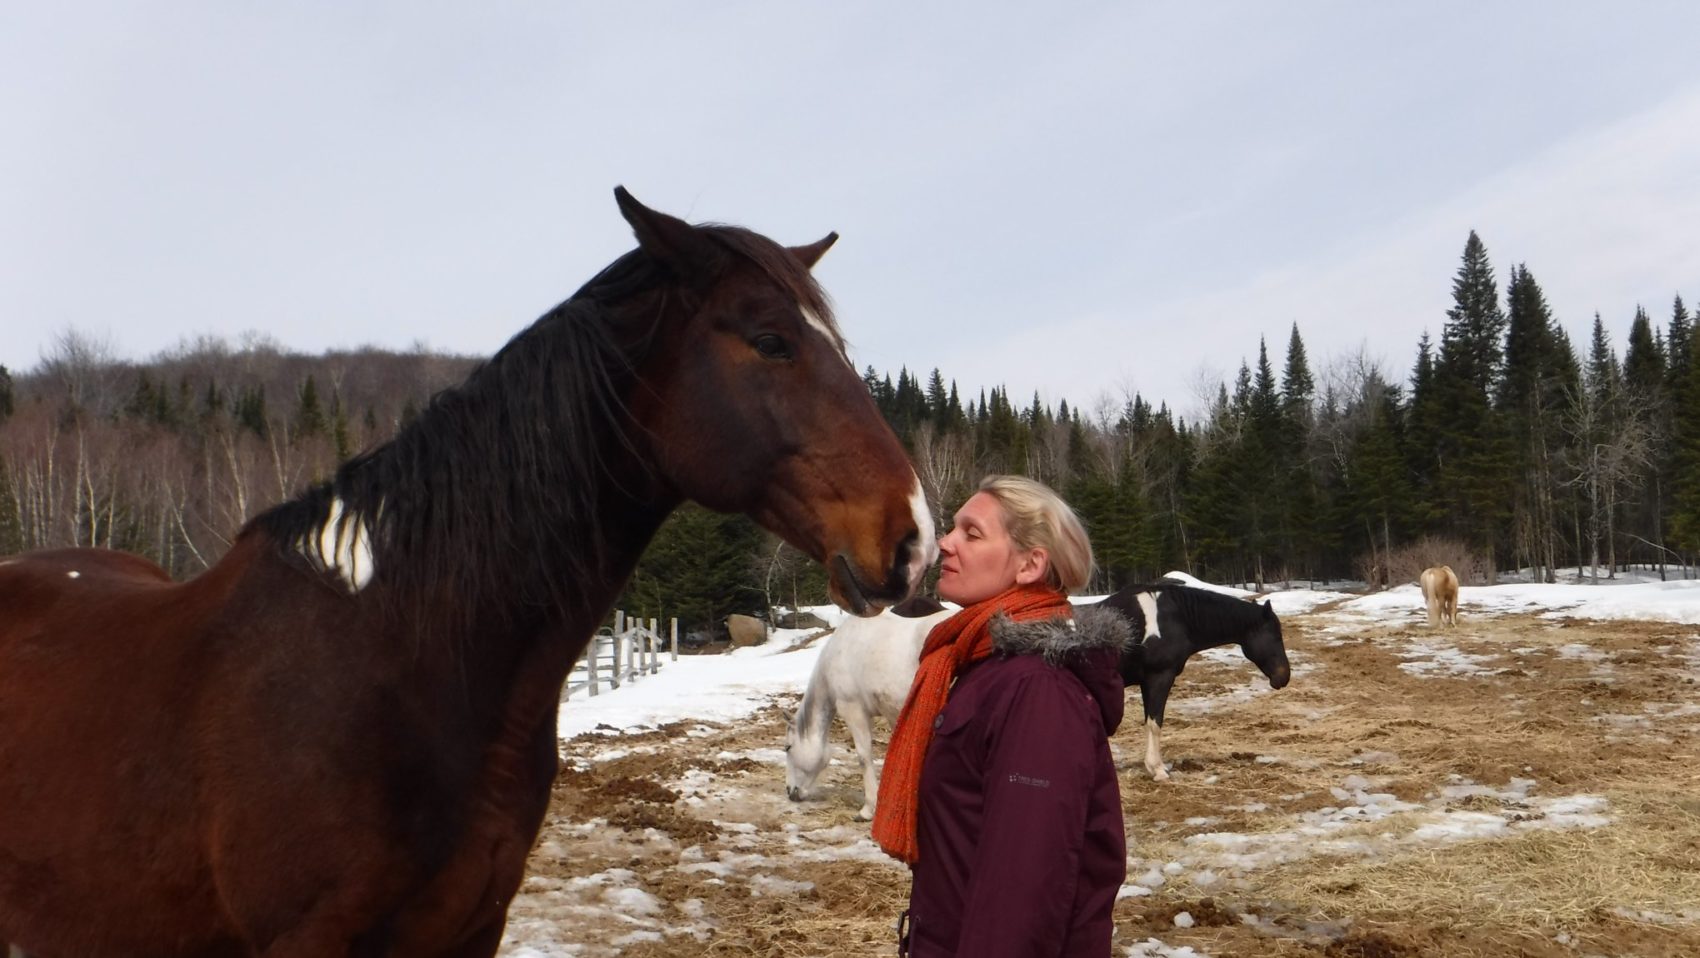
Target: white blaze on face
[[820, 326], [1148, 605], [343, 547], [927, 544]]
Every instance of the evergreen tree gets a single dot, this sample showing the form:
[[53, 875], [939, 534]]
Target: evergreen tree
[[1377, 481], [310, 417], [1532, 395], [251, 411], [938, 401], [1474, 456], [340, 439], [7, 403], [1644, 363], [1685, 458], [11, 524], [699, 568]]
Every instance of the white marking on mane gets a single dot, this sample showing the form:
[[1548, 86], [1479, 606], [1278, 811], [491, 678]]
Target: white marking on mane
[[72, 574], [1148, 605], [821, 326], [343, 546]]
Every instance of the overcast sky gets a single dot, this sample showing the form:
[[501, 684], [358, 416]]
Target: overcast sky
[[1078, 199]]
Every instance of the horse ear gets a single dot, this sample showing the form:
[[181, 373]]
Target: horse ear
[[810, 255], [670, 241]]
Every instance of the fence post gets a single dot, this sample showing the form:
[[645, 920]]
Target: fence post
[[590, 661], [674, 628], [614, 673], [650, 641]]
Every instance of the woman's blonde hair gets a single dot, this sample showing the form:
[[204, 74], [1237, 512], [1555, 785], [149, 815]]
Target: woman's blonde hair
[[1039, 518]]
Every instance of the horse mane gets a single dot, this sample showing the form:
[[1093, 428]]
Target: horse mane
[[815, 712], [1212, 612], [492, 490]]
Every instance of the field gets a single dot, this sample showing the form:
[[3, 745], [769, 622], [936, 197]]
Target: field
[[1522, 785]]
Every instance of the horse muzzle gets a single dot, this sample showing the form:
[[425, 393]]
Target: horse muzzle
[[858, 595], [794, 793], [1279, 678]]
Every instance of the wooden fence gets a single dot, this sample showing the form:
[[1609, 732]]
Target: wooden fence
[[626, 652]]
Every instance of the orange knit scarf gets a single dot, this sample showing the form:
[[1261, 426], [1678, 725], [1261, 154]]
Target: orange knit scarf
[[952, 645]]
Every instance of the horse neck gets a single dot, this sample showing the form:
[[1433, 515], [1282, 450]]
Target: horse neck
[[507, 517], [814, 715], [1217, 627]]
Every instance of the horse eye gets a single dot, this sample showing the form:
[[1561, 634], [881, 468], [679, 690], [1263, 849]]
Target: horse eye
[[772, 346]]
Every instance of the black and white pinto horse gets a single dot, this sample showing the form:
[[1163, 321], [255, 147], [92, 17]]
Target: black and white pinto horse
[[1171, 623]]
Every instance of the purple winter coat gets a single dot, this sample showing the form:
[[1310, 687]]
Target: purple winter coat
[[1022, 846]]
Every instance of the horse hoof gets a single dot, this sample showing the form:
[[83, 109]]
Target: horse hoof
[[1161, 775], [864, 816]]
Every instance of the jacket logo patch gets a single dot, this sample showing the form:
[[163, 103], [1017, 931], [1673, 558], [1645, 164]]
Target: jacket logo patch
[[1029, 780]]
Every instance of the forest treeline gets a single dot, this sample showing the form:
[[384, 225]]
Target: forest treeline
[[1530, 450]]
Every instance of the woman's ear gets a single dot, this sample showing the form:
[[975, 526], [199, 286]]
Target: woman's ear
[[1033, 566]]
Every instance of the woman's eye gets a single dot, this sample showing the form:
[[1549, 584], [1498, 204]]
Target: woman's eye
[[772, 346]]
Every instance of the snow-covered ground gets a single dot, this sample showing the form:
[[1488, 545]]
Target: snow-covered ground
[[1359, 817], [736, 684]]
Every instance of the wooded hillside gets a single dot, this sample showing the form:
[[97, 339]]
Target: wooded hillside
[[1504, 438]]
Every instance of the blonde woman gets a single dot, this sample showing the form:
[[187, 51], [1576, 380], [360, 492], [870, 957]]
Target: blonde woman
[[999, 789]]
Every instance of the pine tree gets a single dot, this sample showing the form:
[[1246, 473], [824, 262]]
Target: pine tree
[[11, 524], [1531, 399], [309, 415], [1685, 458], [7, 403], [1474, 456], [1646, 396], [938, 401], [698, 568]]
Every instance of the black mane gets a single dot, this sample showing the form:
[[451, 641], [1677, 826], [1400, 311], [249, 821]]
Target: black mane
[[1213, 613]]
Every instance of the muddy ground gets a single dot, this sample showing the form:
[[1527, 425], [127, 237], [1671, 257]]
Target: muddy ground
[[1517, 786]]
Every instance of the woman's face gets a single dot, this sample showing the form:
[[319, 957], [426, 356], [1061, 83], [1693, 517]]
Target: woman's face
[[978, 559]]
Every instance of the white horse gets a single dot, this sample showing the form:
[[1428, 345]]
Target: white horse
[[864, 671]]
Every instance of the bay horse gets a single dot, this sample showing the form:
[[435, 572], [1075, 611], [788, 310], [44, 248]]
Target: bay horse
[[340, 739], [1440, 594], [864, 672], [1171, 623]]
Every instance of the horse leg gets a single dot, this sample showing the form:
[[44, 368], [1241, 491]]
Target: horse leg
[[862, 731], [1154, 692]]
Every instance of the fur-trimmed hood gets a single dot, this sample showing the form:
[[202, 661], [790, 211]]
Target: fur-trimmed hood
[[1089, 645]]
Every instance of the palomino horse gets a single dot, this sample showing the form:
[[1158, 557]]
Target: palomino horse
[[1173, 622], [340, 739], [1440, 594], [864, 672]]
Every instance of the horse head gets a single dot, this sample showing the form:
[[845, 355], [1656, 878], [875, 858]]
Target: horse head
[[805, 758], [758, 410], [1264, 647]]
